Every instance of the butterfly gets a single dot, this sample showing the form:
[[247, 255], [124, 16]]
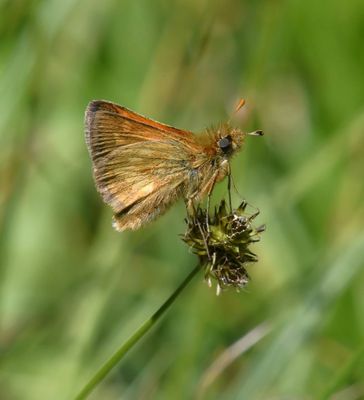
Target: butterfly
[[141, 167]]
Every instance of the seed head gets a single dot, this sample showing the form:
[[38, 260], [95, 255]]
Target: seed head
[[222, 242]]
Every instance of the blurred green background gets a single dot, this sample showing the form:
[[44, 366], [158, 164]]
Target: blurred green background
[[72, 289]]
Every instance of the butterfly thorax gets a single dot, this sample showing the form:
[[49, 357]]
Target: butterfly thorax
[[210, 164]]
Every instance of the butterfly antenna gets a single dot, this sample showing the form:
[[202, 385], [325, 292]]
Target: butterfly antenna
[[256, 133], [238, 107], [235, 188]]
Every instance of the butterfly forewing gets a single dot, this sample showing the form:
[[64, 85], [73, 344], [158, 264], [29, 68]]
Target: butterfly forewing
[[139, 165]]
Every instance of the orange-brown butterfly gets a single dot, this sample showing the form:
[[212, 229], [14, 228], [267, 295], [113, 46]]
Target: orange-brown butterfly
[[141, 167]]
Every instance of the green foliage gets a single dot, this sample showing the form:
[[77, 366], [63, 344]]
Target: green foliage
[[72, 289]]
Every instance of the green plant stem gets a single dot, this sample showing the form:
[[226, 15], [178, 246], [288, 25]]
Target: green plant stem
[[133, 339]]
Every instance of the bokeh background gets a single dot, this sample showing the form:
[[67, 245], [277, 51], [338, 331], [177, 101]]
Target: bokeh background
[[72, 289]]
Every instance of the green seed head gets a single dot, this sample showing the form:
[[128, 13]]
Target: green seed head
[[222, 243]]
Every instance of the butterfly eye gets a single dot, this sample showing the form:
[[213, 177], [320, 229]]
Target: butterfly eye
[[225, 144]]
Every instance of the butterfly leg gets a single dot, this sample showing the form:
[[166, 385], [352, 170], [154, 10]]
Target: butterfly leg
[[208, 190], [190, 207], [229, 192], [226, 171]]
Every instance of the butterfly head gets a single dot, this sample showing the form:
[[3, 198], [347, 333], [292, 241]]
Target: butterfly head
[[229, 140]]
